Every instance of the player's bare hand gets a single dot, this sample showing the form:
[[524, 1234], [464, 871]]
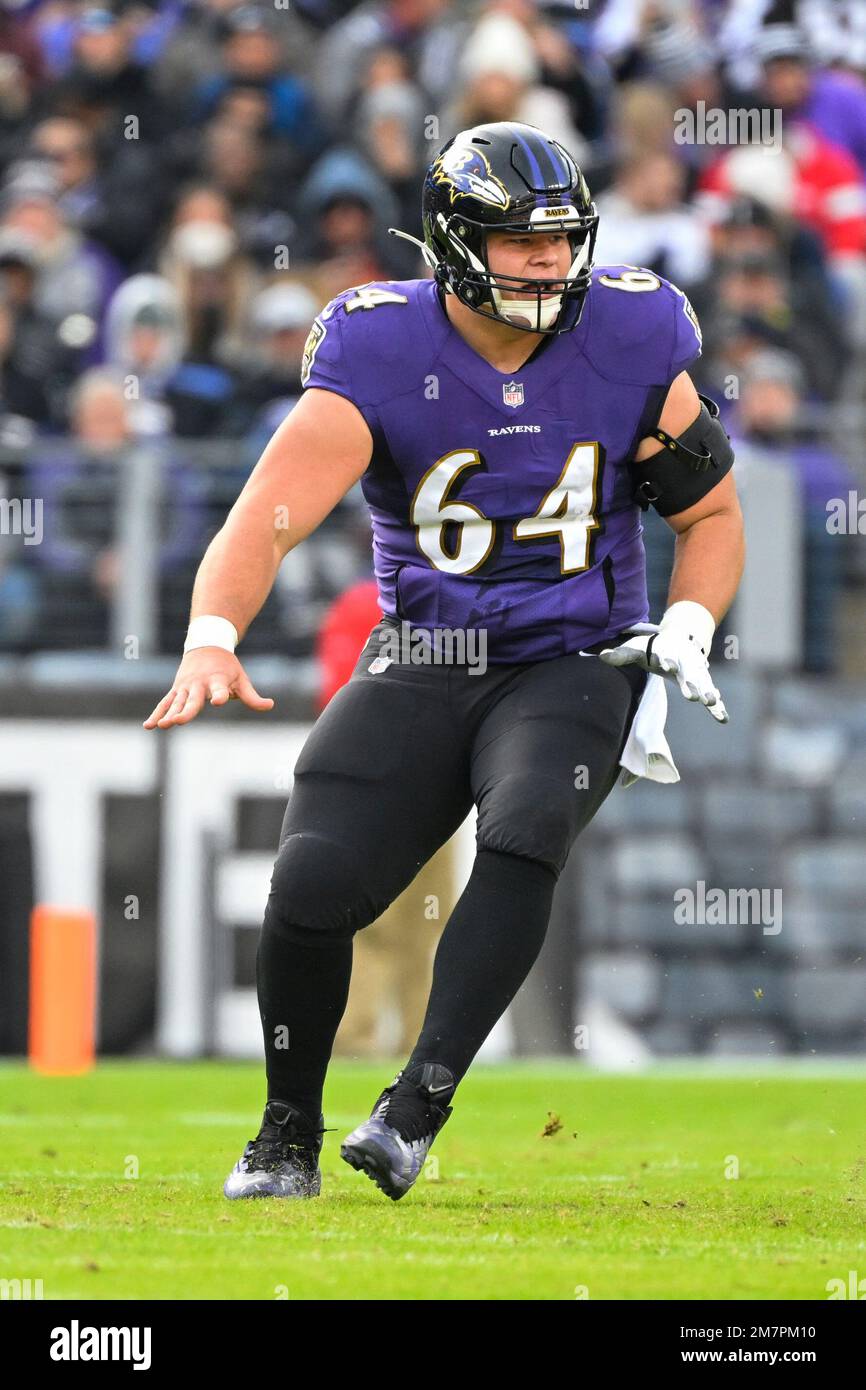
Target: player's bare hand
[[205, 674]]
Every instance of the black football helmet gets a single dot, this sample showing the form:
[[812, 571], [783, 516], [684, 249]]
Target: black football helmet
[[507, 177]]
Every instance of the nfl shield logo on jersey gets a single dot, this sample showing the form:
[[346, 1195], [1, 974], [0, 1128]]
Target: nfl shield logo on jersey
[[512, 393]]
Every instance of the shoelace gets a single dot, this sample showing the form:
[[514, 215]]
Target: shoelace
[[267, 1151], [410, 1111]]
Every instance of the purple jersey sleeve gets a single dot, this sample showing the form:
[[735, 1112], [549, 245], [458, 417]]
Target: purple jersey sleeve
[[643, 329], [687, 333], [327, 360]]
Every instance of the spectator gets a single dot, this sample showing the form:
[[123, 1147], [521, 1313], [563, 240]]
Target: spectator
[[345, 209], [80, 482], [643, 220], [145, 343], [767, 419], [280, 322], [428, 32], [757, 291], [33, 359], [499, 80], [641, 126], [193, 52], [76, 277], [749, 227], [20, 77], [815, 182], [391, 131], [105, 87], [116, 205], [562, 37], [214, 283], [250, 67], [251, 173], [751, 237], [22, 387], [833, 103]]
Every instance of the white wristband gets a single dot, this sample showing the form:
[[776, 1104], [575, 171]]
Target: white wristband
[[693, 618], [211, 631]]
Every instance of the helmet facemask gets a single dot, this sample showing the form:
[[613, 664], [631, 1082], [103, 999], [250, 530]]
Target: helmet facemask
[[557, 304]]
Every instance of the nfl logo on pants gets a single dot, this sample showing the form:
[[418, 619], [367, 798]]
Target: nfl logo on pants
[[512, 393]]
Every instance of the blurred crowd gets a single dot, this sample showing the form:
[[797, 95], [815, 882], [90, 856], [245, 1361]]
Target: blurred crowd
[[184, 183]]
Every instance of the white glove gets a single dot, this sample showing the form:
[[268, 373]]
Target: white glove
[[678, 650]]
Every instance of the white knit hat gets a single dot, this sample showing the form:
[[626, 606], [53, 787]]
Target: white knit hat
[[499, 44]]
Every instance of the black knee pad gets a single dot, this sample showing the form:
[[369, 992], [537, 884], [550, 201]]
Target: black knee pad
[[530, 817], [319, 891]]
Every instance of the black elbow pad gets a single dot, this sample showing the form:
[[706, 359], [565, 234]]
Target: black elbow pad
[[688, 467]]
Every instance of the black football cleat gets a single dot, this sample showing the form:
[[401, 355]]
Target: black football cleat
[[392, 1145], [282, 1160]]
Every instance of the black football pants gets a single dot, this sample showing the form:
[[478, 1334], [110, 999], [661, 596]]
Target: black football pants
[[388, 773]]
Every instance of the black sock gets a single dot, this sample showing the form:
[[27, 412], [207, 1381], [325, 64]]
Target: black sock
[[487, 949], [302, 997]]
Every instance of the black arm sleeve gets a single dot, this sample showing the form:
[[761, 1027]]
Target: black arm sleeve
[[688, 466]]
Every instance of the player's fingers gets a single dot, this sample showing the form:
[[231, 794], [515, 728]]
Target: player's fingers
[[159, 710], [703, 683], [718, 711], [688, 688], [167, 718], [619, 656], [246, 691], [192, 706], [218, 690]]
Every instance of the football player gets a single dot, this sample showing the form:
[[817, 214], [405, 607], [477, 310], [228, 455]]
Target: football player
[[508, 418]]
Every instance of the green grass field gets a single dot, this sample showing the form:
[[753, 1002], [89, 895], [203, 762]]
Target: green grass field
[[629, 1199]]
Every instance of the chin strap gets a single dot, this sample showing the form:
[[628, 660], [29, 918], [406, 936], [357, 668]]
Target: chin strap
[[540, 316]]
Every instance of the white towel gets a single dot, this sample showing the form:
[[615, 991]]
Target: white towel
[[646, 752]]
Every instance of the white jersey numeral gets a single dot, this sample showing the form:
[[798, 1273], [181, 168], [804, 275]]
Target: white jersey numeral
[[633, 279], [431, 510], [567, 511], [367, 297]]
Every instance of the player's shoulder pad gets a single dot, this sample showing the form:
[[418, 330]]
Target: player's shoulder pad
[[360, 343], [643, 330]]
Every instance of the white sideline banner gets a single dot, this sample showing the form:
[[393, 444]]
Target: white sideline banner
[[67, 767]]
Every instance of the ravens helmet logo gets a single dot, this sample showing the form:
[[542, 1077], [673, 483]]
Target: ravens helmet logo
[[467, 171]]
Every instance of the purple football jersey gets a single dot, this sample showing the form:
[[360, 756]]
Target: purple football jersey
[[505, 503]]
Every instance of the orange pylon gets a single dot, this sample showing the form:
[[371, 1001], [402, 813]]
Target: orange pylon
[[62, 990]]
